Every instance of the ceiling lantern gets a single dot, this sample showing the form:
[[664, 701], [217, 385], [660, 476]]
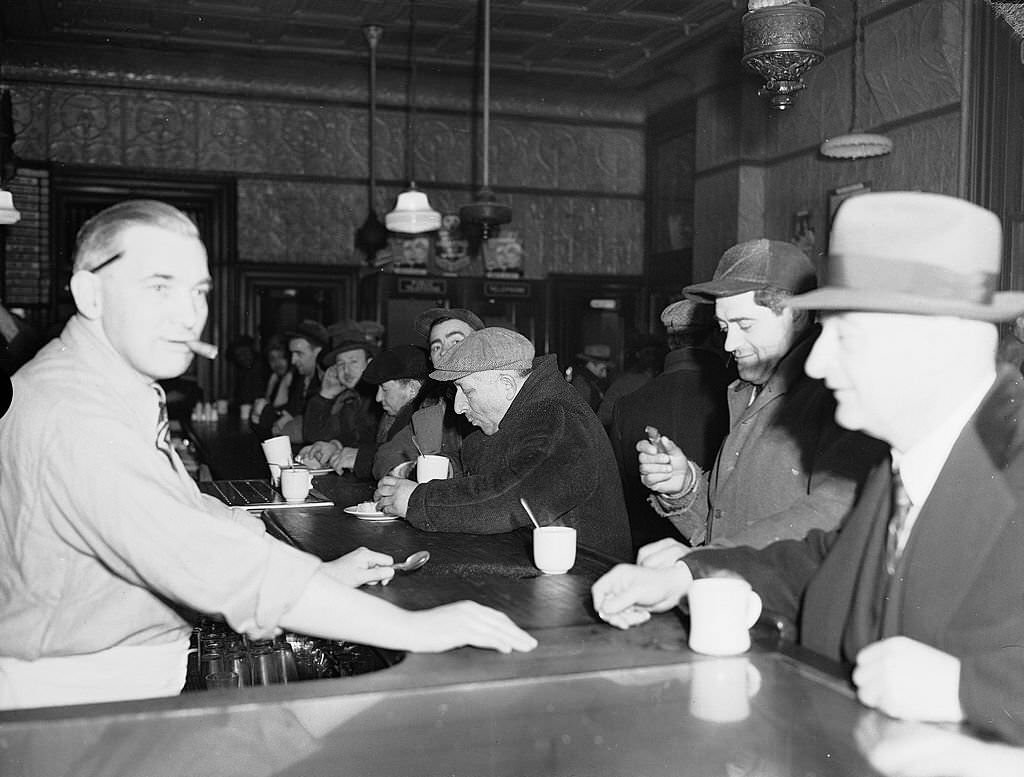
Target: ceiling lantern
[[781, 41]]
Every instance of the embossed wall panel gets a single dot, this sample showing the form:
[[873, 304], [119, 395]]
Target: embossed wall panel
[[718, 127], [913, 61], [925, 158], [85, 127], [160, 131]]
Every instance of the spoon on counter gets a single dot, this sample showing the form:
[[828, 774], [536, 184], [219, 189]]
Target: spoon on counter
[[414, 562]]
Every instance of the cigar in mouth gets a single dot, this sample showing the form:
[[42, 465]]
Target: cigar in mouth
[[199, 348]]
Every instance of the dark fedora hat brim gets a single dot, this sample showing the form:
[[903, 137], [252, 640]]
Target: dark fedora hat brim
[[1004, 306]]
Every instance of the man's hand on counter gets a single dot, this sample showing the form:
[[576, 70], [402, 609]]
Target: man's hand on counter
[[467, 623], [628, 594], [392, 494], [360, 567]]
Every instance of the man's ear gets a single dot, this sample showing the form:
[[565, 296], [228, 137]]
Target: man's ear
[[85, 288], [508, 382]]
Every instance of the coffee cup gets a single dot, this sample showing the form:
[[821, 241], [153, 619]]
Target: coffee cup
[[278, 450], [721, 689], [222, 407], [295, 483], [722, 610], [431, 467], [245, 411], [554, 549]]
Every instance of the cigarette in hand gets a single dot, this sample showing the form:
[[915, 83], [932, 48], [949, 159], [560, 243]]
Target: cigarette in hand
[[199, 348]]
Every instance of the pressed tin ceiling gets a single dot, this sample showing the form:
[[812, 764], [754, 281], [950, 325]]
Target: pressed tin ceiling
[[620, 40]]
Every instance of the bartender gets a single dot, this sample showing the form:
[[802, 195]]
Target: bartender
[[106, 541]]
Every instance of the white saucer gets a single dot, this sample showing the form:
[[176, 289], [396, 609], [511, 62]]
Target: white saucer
[[376, 515]]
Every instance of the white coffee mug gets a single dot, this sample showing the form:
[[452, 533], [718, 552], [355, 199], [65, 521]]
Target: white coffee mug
[[721, 688], [554, 549], [722, 610], [431, 467], [295, 483], [278, 450]]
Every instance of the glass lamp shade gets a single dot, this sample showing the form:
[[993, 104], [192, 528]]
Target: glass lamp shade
[[8, 213], [413, 214], [856, 145], [780, 43]]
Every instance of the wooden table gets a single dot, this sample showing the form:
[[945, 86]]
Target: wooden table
[[590, 700]]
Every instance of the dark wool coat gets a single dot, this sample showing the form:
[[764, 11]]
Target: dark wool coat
[[552, 450], [962, 571]]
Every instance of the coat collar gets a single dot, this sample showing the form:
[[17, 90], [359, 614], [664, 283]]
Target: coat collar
[[971, 502], [789, 371]]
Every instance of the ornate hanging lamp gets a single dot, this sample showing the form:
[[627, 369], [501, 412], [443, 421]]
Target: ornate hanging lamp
[[483, 217], [856, 144], [781, 41], [372, 236], [412, 214]]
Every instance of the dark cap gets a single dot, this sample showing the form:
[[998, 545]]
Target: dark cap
[[490, 348], [596, 352], [327, 357], [754, 265], [426, 320], [687, 314], [402, 361], [312, 331]]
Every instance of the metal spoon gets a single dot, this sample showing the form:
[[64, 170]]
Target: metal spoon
[[414, 562]]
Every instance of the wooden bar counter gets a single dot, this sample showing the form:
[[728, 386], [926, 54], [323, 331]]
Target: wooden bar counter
[[590, 700]]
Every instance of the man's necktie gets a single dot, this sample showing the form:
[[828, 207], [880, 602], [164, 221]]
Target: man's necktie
[[900, 508], [163, 425]]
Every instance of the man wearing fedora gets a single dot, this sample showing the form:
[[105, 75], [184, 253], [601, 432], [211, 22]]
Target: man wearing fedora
[[589, 373], [344, 408], [919, 592], [785, 466], [435, 428]]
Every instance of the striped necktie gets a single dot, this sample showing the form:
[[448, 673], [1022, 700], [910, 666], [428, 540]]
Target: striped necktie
[[900, 509], [163, 425]]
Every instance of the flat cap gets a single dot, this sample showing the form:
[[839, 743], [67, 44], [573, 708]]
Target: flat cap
[[430, 316], [402, 361], [757, 264], [687, 314], [490, 348]]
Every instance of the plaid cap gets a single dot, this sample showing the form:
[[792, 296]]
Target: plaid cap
[[490, 348], [312, 332], [402, 361], [687, 314], [757, 264], [426, 320]]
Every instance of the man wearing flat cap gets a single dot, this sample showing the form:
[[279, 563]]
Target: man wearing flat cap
[[399, 374], [920, 590], [536, 440], [785, 466], [435, 427]]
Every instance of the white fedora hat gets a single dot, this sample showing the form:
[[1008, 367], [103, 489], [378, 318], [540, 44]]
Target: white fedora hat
[[914, 252]]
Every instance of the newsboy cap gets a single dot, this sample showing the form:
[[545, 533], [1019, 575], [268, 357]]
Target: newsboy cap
[[687, 314], [426, 320], [402, 361], [490, 348], [753, 265], [917, 253]]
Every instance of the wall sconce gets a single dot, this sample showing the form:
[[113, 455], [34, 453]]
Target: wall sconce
[[781, 41]]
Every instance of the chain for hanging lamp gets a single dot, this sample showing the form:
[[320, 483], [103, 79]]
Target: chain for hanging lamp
[[856, 144], [412, 213], [484, 216], [372, 236]]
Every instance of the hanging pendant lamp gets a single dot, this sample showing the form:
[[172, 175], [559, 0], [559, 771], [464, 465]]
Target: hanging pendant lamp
[[484, 216], [372, 236], [856, 144], [412, 213]]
